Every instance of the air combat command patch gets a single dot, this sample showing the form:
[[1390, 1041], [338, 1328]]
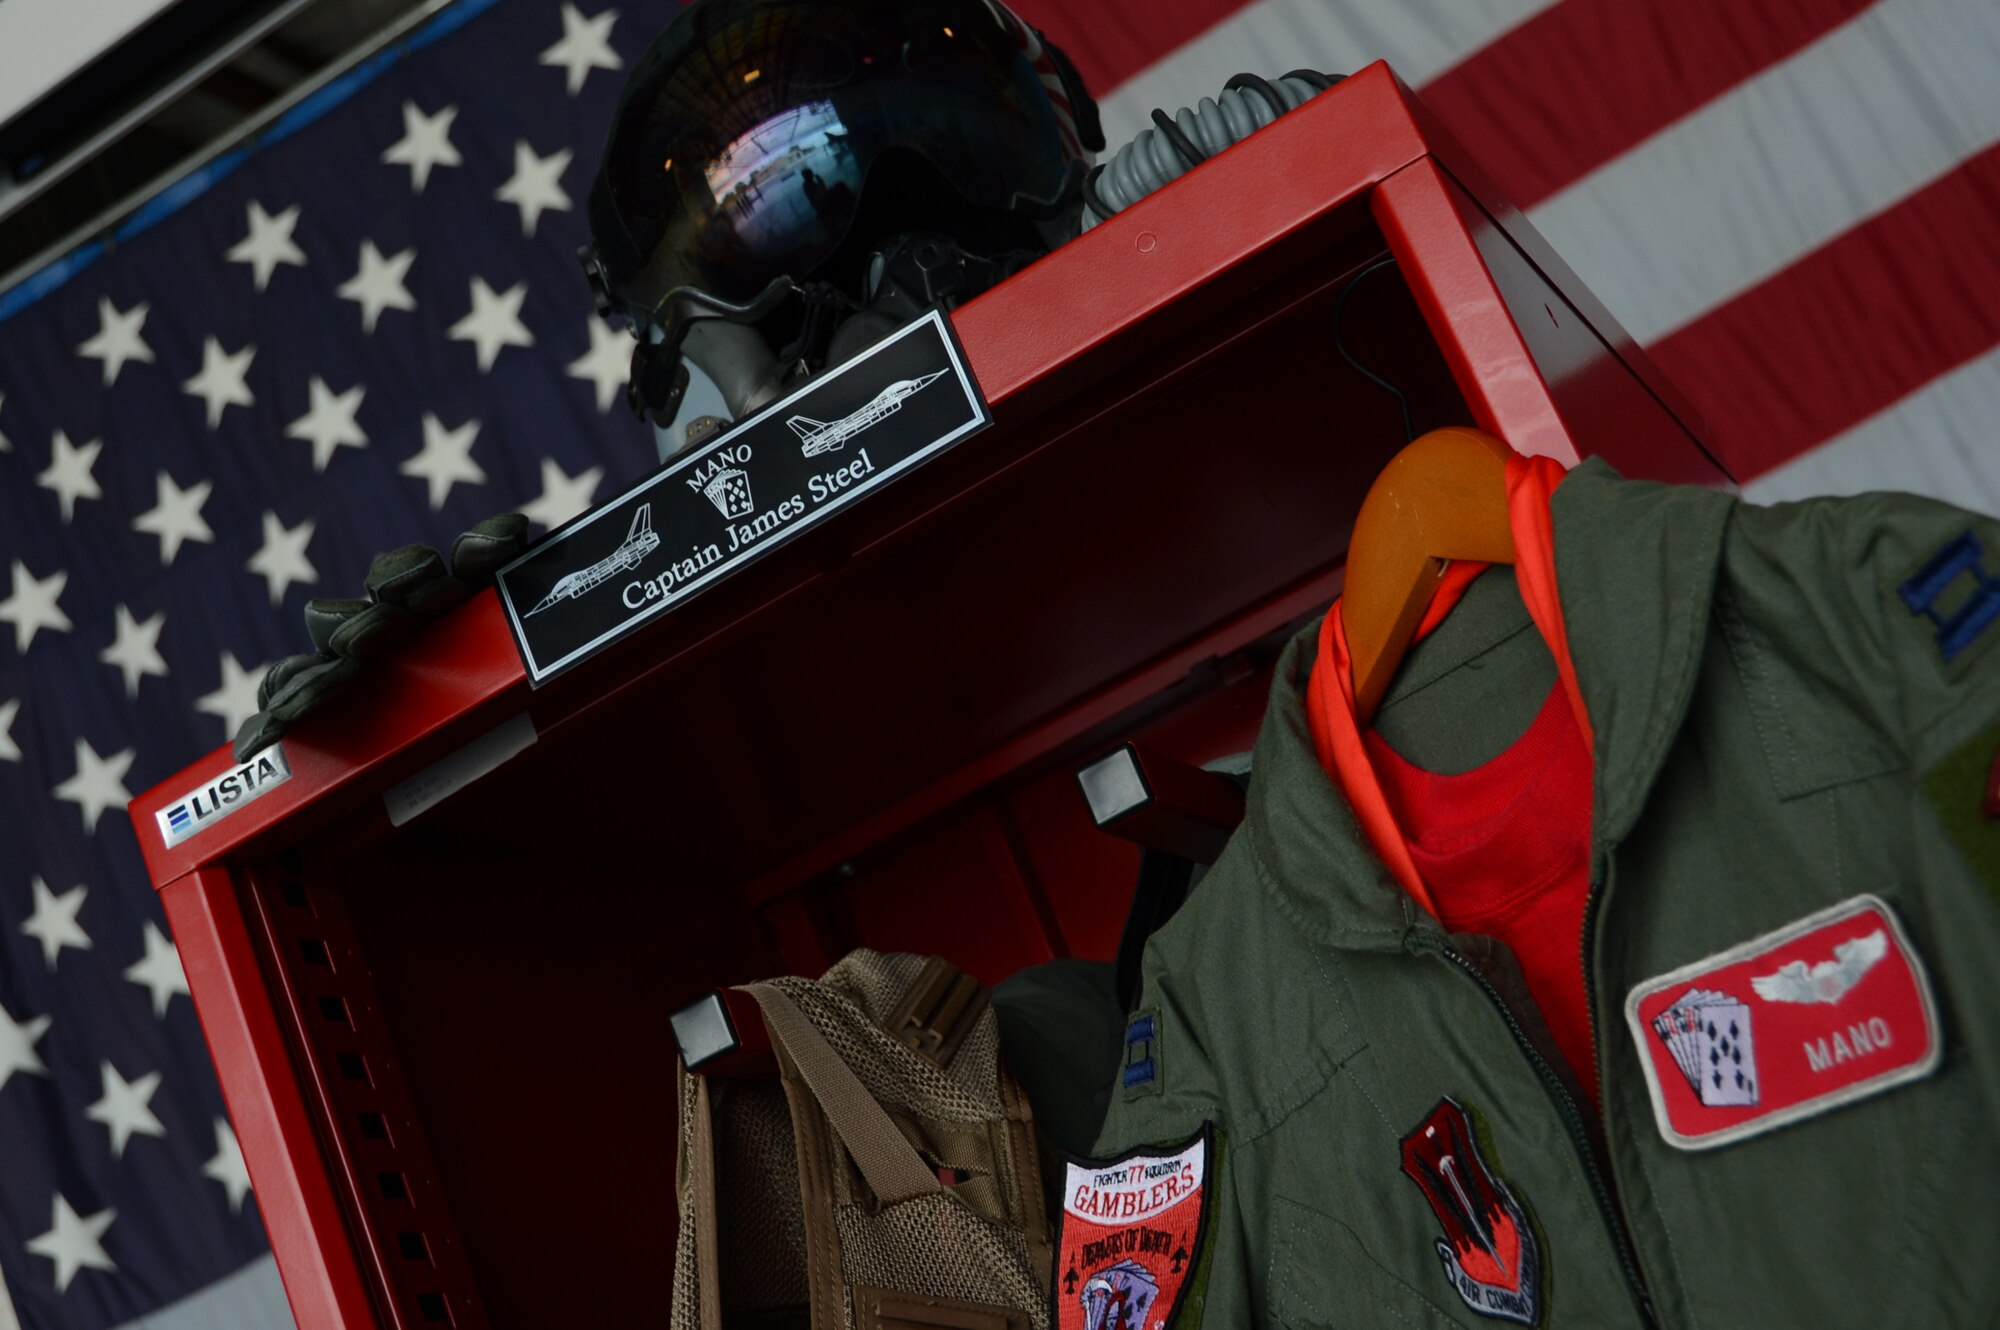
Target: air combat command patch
[[1488, 1249], [1129, 1238]]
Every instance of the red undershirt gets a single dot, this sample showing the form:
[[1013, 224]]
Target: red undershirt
[[1505, 851], [1506, 845]]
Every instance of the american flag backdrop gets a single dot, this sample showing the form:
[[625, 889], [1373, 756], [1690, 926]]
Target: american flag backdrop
[[368, 328]]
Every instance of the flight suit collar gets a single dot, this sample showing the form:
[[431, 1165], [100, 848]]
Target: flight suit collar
[[1636, 566]]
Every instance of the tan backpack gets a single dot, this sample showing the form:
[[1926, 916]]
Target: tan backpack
[[887, 1179]]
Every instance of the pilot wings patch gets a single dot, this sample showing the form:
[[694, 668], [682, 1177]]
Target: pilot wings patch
[[1828, 981]]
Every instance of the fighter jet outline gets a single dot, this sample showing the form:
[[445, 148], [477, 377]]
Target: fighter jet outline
[[640, 541], [825, 436]]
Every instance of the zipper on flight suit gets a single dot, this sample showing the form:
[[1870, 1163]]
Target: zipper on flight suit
[[1572, 1116], [1600, 877]]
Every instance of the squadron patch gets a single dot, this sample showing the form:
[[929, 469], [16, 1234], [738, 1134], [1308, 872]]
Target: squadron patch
[[1822, 1012], [1488, 1249], [1129, 1238]]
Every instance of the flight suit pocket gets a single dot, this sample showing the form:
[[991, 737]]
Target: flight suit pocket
[[1321, 1274]]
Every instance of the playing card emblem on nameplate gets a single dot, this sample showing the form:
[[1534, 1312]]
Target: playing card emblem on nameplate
[[1488, 1249], [1833, 1008], [704, 516], [1129, 1237]]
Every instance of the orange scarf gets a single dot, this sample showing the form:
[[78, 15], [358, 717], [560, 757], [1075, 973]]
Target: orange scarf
[[1531, 481]]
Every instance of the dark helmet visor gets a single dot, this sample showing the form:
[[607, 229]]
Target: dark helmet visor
[[746, 134]]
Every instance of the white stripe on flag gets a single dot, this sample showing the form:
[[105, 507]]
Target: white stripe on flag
[[1786, 161], [1419, 38], [251, 1299], [1937, 442]]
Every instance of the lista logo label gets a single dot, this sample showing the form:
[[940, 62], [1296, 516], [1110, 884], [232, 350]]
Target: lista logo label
[[203, 808]]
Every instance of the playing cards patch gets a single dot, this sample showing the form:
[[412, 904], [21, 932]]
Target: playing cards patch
[[1129, 1237], [1488, 1249], [1822, 1012]]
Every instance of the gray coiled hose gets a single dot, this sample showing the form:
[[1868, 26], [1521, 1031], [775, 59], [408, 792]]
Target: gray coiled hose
[[1189, 137]]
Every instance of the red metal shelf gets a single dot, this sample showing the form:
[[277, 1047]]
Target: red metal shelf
[[445, 1042]]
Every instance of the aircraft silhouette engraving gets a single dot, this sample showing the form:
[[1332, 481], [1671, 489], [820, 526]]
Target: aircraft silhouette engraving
[[824, 436], [640, 541]]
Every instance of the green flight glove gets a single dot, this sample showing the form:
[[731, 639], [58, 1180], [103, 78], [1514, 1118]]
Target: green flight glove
[[406, 588]]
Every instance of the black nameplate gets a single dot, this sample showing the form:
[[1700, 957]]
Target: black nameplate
[[691, 524]]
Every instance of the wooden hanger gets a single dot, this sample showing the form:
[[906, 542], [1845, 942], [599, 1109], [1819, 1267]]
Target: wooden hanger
[[1443, 497]]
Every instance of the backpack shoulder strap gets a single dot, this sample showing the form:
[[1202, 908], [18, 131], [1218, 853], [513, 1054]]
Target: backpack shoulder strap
[[893, 1169], [698, 1183]]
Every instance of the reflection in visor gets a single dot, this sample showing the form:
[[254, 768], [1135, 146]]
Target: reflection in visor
[[830, 88], [784, 192], [787, 173]]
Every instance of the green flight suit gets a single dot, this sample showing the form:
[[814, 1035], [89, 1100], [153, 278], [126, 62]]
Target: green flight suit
[[1777, 731]]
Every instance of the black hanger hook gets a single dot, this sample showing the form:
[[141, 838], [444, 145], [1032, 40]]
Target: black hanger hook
[[1339, 306]]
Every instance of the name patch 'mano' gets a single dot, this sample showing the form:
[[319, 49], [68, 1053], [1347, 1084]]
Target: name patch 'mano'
[[1831, 1009]]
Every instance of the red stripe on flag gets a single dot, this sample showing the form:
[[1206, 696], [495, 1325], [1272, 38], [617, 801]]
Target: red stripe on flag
[[1585, 80], [1841, 334], [1111, 40], [1850, 328], [1540, 106]]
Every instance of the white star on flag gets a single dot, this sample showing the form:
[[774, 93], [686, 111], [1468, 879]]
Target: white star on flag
[[17, 1046], [99, 782], [585, 45], [563, 495], [176, 518], [33, 605], [227, 1166], [329, 423], [536, 185], [426, 143], [74, 1244], [445, 459], [269, 242], [378, 284], [126, 1108], [9, 750], [608, 363], [281, 560], [117, 341], [221, 381], [495, 322], [159, 970], [235, 699], [53, 923], [69, 472], [135, 649]]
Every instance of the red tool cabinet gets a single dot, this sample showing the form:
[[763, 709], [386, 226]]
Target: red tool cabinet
[[443, 1035]]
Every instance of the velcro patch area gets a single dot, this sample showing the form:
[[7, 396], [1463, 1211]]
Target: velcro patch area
[[1129, 1237], [1965, 790], [1820, 1013]]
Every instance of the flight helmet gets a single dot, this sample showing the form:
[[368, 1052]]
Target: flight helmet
[[765, 148]]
